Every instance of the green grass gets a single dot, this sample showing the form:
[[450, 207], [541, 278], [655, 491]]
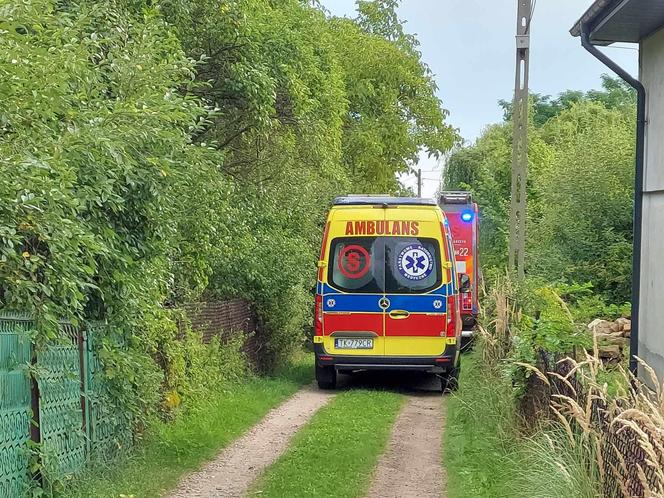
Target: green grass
[[172, 449], [486, 455], [334, 455], [478, 443]]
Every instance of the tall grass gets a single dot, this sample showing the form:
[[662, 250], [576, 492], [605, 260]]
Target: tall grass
[[589, 441], [487, 454], [602, 427]]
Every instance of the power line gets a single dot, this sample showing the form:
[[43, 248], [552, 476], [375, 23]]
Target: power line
[[530, 19]]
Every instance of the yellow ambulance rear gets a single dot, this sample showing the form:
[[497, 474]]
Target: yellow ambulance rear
[[386, 295]]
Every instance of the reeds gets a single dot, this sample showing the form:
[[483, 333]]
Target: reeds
[[616, 437], [624, 434]]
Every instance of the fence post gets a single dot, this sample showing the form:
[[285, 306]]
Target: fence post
[[83, 367]]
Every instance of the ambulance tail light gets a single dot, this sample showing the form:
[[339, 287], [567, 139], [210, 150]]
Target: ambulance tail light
[[318, 315], [451, 316], [467, 301]]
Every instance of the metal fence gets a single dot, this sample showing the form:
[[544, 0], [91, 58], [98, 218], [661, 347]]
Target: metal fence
[[626, 465], [54, 406], [224, 319]]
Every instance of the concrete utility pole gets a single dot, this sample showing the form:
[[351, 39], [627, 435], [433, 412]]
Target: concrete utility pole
[[419, 182], [517, 246]]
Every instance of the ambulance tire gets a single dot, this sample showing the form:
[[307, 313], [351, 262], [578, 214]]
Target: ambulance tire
[[450, 382], [326, 377]]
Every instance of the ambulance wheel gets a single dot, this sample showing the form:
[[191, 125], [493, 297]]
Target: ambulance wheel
[[450, 381], [326, 377]]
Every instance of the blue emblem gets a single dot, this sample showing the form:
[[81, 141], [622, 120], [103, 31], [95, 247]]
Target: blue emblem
[[415, 262]]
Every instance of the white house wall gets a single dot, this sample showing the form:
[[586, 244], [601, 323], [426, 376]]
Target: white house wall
[[651, 335]]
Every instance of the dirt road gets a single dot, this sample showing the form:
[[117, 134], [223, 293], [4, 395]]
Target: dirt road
[[233, 471], [411, 466]]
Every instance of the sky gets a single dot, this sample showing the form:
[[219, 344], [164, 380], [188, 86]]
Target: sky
[[470, 47]]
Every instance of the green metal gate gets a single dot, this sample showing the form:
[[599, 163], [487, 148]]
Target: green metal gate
[[58, 370], [65, 407], [108, 427], [15, 352]]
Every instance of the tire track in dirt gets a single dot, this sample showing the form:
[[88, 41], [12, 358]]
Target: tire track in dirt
[[411, 467], [233, 470]]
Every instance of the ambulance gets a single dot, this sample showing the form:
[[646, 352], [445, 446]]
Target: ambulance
[[386, 294], [462, 215]]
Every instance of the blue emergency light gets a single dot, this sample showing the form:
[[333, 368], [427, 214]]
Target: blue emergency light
[[467, 216]]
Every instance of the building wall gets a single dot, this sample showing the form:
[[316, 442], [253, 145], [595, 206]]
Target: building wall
[[651, 335]]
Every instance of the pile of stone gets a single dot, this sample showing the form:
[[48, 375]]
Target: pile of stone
[[612, 337]]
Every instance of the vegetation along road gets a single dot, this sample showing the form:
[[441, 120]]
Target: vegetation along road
[[166, 168], [319, 440]]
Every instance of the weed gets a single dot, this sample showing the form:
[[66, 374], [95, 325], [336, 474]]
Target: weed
[[200, 430], [486, 455], [335, 453]]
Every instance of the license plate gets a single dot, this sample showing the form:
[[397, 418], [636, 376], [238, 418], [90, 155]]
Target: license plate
[[347, 343]]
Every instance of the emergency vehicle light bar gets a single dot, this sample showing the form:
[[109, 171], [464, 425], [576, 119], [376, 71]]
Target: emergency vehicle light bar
[[383, 200], [456, 197]]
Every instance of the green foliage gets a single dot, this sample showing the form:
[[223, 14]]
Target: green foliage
[[615, 94], [580, 186], [393, 111], [585, 230], [585, 305], [153, 153]]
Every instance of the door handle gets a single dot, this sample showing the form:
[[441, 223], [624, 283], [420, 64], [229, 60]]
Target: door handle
[[399, 314]]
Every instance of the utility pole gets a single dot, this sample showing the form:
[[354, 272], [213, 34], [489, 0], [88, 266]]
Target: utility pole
[[419, 182], [517, 245]]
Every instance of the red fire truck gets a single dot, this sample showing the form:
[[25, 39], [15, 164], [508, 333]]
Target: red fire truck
[[462, 216]]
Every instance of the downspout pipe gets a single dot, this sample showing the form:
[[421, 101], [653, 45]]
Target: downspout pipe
[[638, 186]]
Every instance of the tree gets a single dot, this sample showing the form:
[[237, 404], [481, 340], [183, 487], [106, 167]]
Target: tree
[[579, 187]]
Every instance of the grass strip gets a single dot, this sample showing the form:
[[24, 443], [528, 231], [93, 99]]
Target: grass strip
[[336, 452], [172, 449], [486, 455]]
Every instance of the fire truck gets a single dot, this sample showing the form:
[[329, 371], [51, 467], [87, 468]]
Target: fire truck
[[462, 215]]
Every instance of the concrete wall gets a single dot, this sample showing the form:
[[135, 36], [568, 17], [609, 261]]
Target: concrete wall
[[651, 336]]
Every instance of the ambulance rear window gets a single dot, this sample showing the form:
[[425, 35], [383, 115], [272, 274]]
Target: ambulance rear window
[[412, 265], [356, 264], [395, 265]]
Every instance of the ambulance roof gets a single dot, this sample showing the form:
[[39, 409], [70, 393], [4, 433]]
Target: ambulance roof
[[370, 200]]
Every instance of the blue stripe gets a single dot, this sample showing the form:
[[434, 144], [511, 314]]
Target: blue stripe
[[361, 303], [444, 290], [334, 300], [418, 303]]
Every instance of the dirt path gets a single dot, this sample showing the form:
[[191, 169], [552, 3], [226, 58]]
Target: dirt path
[[232, 472], [411, 467]]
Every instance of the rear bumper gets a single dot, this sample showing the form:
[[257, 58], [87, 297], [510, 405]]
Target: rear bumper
[[434, 364]]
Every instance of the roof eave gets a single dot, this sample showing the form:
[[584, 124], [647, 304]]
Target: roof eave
[[597, 11]]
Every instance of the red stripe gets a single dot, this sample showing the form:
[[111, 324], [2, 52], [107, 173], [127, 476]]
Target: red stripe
[[421, 325], [353, 322]]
